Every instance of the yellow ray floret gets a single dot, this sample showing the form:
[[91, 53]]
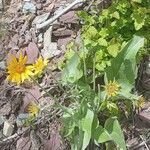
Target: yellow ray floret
[[33, 109], [40, 65], [18, 71], [112, 88]]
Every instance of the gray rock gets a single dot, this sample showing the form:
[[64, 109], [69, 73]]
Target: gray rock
[[47, 38], [2, 65], [2, 119], [29, 7], [8, 128], [51, 51], [41, 18], [1, 4], [40, 38]]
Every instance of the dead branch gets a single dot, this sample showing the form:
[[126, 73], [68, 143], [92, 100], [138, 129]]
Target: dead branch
[[51, 20]]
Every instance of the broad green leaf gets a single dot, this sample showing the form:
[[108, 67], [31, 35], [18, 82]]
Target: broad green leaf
[[128, 53], [87, 127], [114, 130], [103, 135], [72, 71]]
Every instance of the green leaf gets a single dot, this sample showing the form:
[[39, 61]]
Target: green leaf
[[102, 42], [137, 1], [91, 32], [103, 135], [128, 53], [87, 127], [116, 15], [114, 130], [113, 49], [139, 17], [72, 71]]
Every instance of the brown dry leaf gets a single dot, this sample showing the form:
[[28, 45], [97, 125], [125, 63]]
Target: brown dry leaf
[[32, 52]]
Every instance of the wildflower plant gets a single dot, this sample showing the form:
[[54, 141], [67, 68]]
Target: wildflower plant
[[112, 88], [18, 71], [33, 109], [95, 112]]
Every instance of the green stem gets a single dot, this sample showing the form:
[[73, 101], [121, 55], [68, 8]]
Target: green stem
[[94, 74], [85, 69]]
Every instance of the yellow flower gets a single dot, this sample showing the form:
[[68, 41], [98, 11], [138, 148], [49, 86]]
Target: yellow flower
[[112, 88], [40, 65], [33, 109], [18, 71], [141, 102]]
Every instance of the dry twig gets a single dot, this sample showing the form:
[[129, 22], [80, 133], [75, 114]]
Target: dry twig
[[51, 20]]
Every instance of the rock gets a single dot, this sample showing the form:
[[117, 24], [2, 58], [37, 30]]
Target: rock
[[23, 143], [28, 37], [14, 6], [1, 5], [40, 38], [32, 52], [47, 38], [69, 17], [50, 7], [8, 128], [29, 7], [62, 42], [62, 32], [6, 109], [40, 19], [2, 119], [51, 51], [2, 65], [39, 6]]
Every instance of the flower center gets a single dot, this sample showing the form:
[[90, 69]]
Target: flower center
[[20, 68], [111, 89]]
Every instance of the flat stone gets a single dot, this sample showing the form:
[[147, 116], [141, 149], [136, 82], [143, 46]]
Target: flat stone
[[40, 19], [47, 38], [69, 17], [51, 51], [8, 128], [40, 38], [62, 32]]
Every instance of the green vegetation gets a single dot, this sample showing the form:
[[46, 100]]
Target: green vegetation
[[100, 73]]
